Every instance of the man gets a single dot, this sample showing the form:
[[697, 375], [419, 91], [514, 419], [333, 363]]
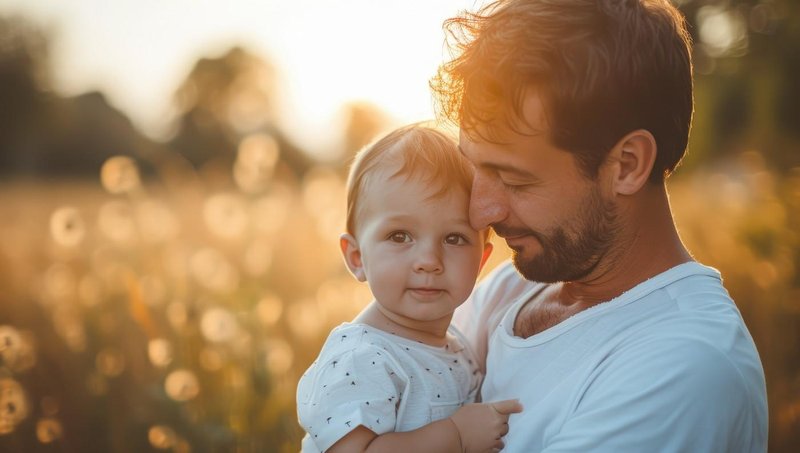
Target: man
[[573, 113]]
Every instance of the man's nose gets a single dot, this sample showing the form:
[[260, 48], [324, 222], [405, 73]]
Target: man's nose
[[487, 203]]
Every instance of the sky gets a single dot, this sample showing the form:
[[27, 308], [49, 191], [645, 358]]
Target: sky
[[327, 52]]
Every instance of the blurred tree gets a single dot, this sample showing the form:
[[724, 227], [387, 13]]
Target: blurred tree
[[224, 99], [23, 52], [84, 131], [42, 133], [747, 59]]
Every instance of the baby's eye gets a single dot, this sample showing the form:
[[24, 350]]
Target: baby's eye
[[400, 237], [456, 239]]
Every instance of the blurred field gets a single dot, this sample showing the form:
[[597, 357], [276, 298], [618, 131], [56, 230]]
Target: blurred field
[[166, 294], [157, 319], [166, 316]]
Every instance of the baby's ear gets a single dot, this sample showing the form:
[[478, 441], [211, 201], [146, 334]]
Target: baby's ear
[[352, 256]]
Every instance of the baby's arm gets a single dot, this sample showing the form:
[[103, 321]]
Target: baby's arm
[[473, 428]]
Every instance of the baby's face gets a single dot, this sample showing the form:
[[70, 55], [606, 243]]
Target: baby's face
[[419, 254]]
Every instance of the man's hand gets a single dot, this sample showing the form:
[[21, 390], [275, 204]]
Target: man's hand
[[481, 426]]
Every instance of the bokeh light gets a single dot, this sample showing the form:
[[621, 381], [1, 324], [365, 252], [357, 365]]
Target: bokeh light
[[13, 405], [279, 356], [110, 362], [116, 221], [154, 290], [67, 227], [96, 384], [212, 270], [305, 318], [177, 314], [182, 385], [59, 284], [255, 162], [323, 197], [161, 437], [211, 359], [90, 290], [17, 349], [120, 175], [156, 221], [257, 257], [48, 430], [159, 351], [68, 324], [10, 341], [226, 215], [721, 29], [270, 212], [269, 309], [218, 325]]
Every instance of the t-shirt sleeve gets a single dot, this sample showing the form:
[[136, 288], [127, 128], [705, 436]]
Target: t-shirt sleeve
[[673, 395], [361, 386]]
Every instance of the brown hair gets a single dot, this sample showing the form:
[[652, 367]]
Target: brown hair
[[602, 67], [421, 152]]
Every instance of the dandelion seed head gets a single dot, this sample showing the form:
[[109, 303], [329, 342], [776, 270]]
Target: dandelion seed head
[[218, 325], [67, 227], [48, 430], [119, 175], [182, 385]]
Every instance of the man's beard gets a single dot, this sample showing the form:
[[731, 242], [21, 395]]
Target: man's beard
[[569, 256]]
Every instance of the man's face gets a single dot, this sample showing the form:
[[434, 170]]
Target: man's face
[[558, 222]]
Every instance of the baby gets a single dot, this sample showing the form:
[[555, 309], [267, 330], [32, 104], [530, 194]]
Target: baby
[[399, 377]]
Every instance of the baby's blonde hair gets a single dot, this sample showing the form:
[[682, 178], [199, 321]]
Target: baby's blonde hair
[[422, 151]]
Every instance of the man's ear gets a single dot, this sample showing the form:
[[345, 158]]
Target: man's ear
[[632, 161], [487, 251], [352, 256]]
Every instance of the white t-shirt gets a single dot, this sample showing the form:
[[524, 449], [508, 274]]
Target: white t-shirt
[[365, 376], [668, 366]]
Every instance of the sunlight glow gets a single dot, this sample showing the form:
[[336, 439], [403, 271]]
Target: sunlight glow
[[326, 52]]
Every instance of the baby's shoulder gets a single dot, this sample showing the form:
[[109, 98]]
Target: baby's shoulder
[[357, 343]]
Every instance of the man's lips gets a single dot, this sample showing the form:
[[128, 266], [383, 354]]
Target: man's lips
[[514, 237]]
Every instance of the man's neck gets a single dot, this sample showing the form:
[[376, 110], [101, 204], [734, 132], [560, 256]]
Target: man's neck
[[648, 244]]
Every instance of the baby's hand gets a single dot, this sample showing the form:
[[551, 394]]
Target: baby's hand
[[481, 426]]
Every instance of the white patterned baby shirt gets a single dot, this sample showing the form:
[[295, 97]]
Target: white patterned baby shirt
[[388, 383]]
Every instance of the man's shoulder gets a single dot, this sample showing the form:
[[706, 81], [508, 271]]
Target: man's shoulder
[[695, 308], [684, 327], [705, 349]]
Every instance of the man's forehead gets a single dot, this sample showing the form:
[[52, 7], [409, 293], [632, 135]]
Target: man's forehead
[[509, 141], [512, 124]]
